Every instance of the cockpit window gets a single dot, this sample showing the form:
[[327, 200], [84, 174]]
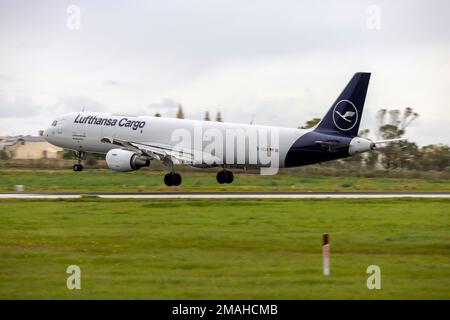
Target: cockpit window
[[54, 123]]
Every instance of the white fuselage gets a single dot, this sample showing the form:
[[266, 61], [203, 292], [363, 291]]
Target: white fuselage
[[84, 131]]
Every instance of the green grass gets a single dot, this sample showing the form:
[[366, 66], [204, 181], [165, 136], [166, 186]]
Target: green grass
[[224, 249], [148, 181]]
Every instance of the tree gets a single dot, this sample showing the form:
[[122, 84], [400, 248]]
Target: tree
[[218, 117], [310, 123], [364, 133], [4, 155], [402, 154], [392, 124], [207, 118], [68, 155], [180, 114], [435, 157], [91, 159]]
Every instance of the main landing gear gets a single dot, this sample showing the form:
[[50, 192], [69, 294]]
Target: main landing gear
[[224, 176], [78, 166], [172, 179]]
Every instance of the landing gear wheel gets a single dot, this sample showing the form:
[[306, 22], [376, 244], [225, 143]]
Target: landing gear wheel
[[229, 177], [168, 180], [77, 167], [225, 177], [172, 179], [220, 177], [176, 179]]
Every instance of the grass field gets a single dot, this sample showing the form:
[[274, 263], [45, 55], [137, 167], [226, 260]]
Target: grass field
[[224, 249], [148, 181]]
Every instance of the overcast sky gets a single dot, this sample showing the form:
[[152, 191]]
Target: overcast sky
[[273, 62]]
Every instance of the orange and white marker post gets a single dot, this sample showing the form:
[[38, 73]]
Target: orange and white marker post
[[326, 254]]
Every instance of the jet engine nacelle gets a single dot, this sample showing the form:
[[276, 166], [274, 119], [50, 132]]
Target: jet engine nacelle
[[124, 160], [360, 145]]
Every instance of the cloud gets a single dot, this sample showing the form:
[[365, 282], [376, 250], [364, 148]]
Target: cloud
[[22, 106], [34, 116], [166, 104], [167, 107], [25, 107], [66, 104], [111, 83], [6, 78]]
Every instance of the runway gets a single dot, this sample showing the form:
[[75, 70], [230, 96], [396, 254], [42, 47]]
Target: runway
[[227, 195]]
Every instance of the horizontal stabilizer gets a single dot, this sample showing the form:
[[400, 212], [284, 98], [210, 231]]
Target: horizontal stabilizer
[[331, 145], [389, 140]]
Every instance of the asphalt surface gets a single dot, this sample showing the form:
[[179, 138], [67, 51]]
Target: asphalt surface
[[225, 195]]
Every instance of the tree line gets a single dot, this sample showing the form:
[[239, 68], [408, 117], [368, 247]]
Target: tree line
[[405, 154], [207, 117]]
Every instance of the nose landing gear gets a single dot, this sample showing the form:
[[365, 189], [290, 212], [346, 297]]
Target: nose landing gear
[[78, 166]]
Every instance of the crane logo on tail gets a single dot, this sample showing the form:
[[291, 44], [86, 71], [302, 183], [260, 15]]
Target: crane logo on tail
[[345, 115]]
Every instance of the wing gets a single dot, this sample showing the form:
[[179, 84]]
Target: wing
[[162, 152]]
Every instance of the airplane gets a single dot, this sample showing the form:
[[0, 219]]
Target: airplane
[[132, 142]]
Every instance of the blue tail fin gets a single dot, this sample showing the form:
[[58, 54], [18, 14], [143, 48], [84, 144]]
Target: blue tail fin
[[345, 114]]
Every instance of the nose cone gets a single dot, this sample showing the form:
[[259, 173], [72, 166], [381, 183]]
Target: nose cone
[[47, 134]]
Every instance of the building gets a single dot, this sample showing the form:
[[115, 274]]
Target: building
[[28, 147]]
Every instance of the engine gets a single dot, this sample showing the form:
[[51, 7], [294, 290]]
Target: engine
[[360, 145], [124, 160]]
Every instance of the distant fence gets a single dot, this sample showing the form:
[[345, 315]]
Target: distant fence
[[45, 164], [327, 170]]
